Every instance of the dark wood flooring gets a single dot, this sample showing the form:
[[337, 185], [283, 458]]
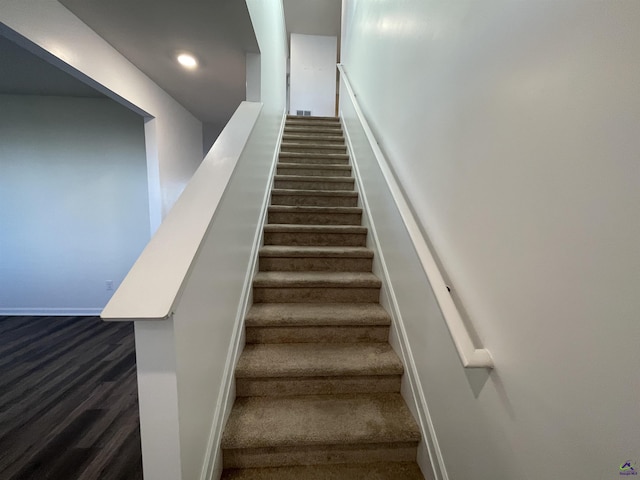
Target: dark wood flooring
[[68, 400]]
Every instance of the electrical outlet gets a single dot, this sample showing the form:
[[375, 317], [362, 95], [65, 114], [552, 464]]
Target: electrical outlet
[[109, 285]]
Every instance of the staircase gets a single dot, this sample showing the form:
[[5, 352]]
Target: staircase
[[317, 385]]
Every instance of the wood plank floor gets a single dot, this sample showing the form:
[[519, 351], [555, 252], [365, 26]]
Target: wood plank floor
[[68, 400]]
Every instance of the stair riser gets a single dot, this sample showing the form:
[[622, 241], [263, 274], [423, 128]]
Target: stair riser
[[289, 158], [315, 295], [319, 334], [314, 132], [319, 239], [374, 471], [307, 185], [313, 201], [313, 139], [314, 172], [315, 218], [299, 148], [279, 387], [315, 118], [313, 124], [300, 264], [321, 454]]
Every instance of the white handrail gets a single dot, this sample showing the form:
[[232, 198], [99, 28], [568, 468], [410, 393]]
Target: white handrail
[[152, 288], [470, 356]]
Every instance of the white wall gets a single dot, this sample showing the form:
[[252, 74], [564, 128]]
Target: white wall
[[174, 136], [267, 17], [73, 202], [253, 77], [512, 127], [313, 74]]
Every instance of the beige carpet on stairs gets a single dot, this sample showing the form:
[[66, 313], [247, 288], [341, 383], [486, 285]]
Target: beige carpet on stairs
[[317, 385]]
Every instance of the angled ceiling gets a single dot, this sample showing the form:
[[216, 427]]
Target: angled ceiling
[[151, 33], [23, 73]]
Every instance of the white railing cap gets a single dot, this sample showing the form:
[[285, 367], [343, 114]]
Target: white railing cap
[[153, 286]]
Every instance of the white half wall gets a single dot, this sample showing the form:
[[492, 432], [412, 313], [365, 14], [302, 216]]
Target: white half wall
[[513, 129], [313, 74], [207, 327], [73, 202], [174, 136], [209, 319]]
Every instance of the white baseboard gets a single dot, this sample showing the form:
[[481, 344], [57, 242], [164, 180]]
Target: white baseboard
[[50, 312], [429, 457], [212, 465]]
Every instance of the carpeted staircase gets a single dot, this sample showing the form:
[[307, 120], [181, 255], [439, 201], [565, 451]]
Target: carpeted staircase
[[318, 385]]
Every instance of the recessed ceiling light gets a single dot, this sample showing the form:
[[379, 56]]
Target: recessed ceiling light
[[187, 61]]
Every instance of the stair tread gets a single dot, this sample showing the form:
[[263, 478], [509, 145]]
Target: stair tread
[[311, 178], [314, 193], [334, 127], [361, 471], [319, 146], [318, 314], [315, 251], [317, 279], [310, 130], [313, 118], [297, 119], [313, 209], [341, 156], [317, 360], [293, 228], [337, 134], [307, 166], [306, 121], [315, 138], [300, 120], [258, 422]]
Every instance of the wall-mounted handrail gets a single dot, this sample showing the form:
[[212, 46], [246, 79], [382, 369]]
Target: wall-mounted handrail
[[152, 288], [470, 356]]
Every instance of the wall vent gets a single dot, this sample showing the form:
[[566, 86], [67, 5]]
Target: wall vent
[[304, 113]]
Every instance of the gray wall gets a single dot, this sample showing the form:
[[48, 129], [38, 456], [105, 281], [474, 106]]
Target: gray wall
[[74, 209], [513, 129]]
